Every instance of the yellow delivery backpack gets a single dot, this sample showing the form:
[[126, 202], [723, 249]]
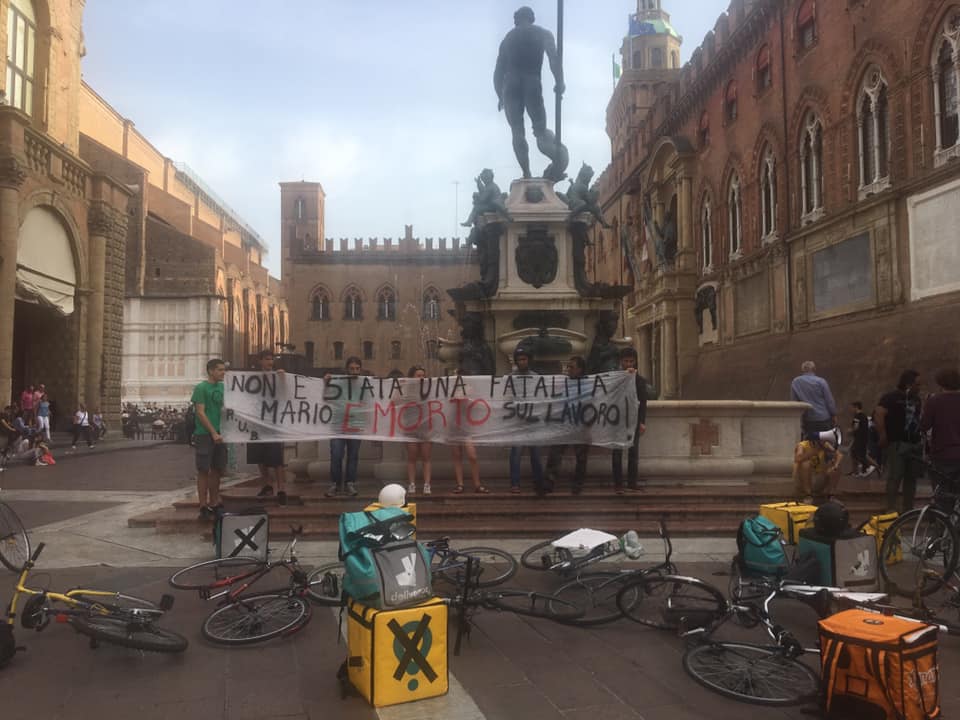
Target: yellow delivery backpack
[[875, 667]]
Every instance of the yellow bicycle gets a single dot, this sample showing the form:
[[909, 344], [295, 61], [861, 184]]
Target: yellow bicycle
[[102, 615]]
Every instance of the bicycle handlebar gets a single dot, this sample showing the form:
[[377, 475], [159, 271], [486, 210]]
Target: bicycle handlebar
[[36, 553]]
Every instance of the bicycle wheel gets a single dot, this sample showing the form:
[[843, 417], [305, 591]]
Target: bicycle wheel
[[14, 541], [256, 618], [130, 632], [750, 673], [325, 584], [495, 566], [666, 601], [532, 604], [929, 544], [543, 556], [596, 593], [212, 574]]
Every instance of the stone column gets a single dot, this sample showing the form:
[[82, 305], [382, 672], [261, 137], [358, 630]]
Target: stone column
[[686, 251], [643, 352], [99, 223], [12, 175], [669, 359]]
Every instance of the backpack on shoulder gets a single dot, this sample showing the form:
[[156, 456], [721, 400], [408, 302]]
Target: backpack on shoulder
[[760, 550], [383, 567]]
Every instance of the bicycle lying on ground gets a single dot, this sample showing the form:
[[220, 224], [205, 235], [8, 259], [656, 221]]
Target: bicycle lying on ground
[[920, 551], [763, 674], [102, 615], [573, 552], [243, 619], [14, 541]]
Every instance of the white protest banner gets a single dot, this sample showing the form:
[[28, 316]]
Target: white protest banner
[[487, 410]]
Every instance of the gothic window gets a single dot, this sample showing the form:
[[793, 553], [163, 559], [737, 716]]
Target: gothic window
[[734, 216], [308, 352], [768, 197], [352, 305], [656, 59], [367, 350], [21, 54], [946, 90], [431, 305], [811, 169], [320, 306], [301, 209], [873, 131], [674, 59], [706, 235], [730, 102], [386, 304], [703, 130], [431, 350], [807, 25], [764, 71], [638, 60], [338, 350], [395, 348]]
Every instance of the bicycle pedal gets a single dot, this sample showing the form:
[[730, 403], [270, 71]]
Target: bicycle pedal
[[166, 602]]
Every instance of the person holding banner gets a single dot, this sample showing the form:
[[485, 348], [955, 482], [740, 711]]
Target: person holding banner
[[576, 368], [268, 457], [417, 450], [628, 362], [458, 450], [521, 358], [341, 446]]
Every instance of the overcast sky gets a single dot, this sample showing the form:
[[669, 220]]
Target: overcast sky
[[387, 104]]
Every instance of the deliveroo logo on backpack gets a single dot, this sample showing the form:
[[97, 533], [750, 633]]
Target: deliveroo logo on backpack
[[408, 576], [862, 567], [409, 587]]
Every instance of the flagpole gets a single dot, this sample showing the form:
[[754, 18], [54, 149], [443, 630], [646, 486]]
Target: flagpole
[[560, 61]]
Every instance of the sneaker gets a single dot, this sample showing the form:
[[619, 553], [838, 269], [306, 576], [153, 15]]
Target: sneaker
[[426, 489], [205, 513], [265, 491], [331, 491], [412, 489], [351, 489], [73, 447], [281, 498]]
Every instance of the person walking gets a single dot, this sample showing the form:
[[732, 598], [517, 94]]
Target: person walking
[[418, 450], [628, 362], [812, 389], [211, 451], [941, 418], [898, 423], [576, 368], [344, 446], [43, 416], [268, 456], [522, 359], [81, 426], [863, 464]]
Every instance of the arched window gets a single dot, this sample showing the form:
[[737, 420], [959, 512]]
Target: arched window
[[352, 305], [764, 71], [807, 25], [301, 209], [811, 169], [638, 60], [386, 304], [431, 349], [873, 132], [656, 57], [320, 306], [395, 349], [431, 304], [367, 350], [703, 130], [730, 102], [338, 350], [946, 90], [21, 54], [706, 235], [734, 217], [768, 197], [674, 59]]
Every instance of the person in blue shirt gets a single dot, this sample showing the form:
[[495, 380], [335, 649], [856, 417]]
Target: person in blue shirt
[[814, 390]]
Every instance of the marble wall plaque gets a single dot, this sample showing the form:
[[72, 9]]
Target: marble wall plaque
[[752, 304], [934, 250], [843, 274]]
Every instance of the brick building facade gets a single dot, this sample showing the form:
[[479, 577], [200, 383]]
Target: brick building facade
[[380, 300], [802, 197]]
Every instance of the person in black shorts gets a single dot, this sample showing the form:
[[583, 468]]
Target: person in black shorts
[[268, 456], [211, 451]]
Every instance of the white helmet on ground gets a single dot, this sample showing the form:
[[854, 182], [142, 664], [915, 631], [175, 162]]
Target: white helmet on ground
[[393, 495]]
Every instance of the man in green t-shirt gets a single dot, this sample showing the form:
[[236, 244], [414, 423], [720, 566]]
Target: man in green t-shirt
[[211, 451]]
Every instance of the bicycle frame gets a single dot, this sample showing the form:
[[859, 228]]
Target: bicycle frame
[[246, 580]]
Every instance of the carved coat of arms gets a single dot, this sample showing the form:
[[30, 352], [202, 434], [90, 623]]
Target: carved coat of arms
[[537, 257]]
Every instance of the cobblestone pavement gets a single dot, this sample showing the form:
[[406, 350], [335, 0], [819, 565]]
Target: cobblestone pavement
[[510, 667]]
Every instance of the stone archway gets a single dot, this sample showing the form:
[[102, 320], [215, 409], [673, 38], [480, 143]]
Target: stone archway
[[46, 327]]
